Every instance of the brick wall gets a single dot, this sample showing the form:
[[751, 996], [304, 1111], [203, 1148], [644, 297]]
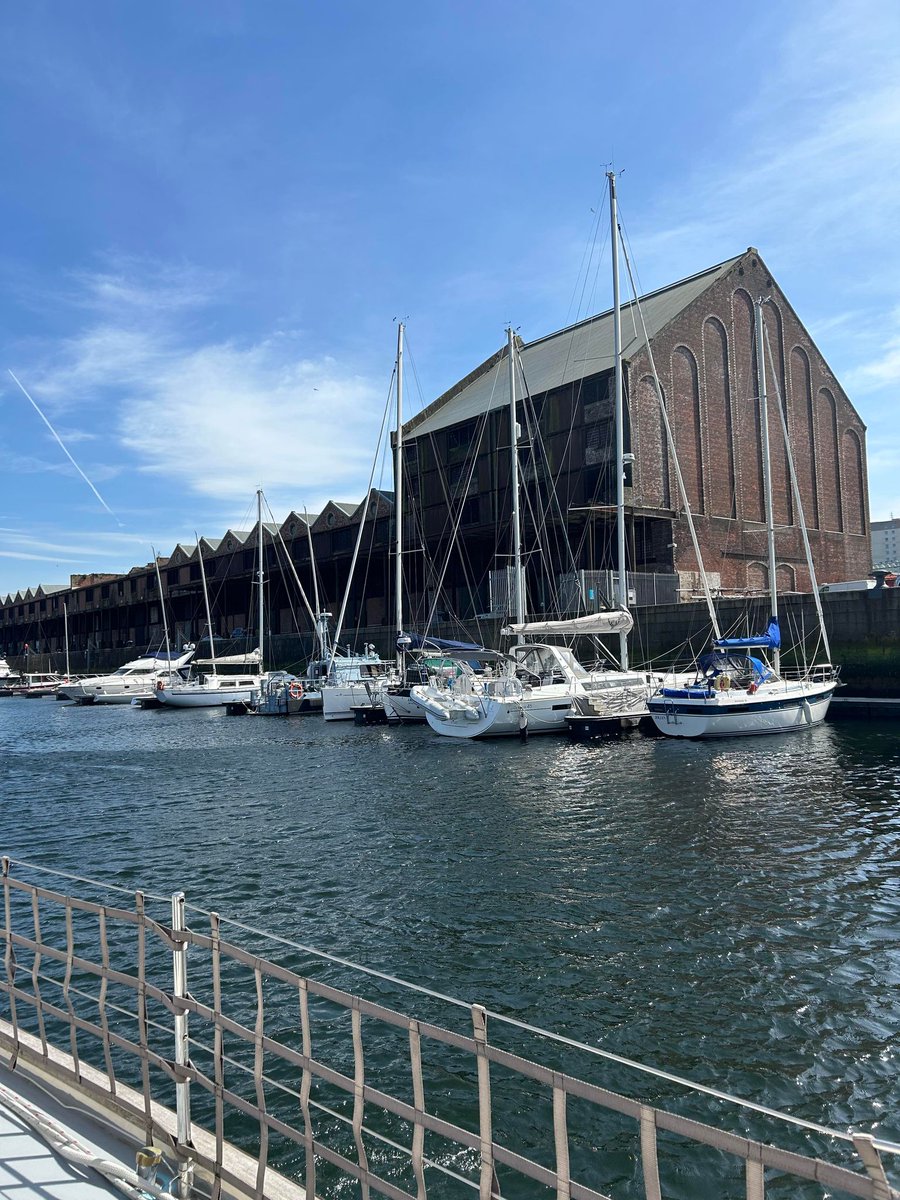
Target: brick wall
[[706, 359]]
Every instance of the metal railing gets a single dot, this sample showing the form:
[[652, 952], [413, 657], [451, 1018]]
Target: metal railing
[[138, 1011]]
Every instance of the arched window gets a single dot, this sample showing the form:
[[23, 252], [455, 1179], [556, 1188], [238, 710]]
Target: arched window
[[785, 578], [854, 492], [686, 424], [717, 380], [757, 577], [751, 504], [803, 441], [829, 462]]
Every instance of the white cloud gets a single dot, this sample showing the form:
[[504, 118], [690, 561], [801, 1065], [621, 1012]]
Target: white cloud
[[144, 286], [217, 417], [225, 418], [21, 554]]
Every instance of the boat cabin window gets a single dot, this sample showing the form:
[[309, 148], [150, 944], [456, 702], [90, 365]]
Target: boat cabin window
[[572, 662], [540, 662]]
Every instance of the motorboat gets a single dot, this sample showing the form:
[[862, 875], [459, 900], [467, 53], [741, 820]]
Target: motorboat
[[133, 680], [36, 685], [282, 694], [352, 680]]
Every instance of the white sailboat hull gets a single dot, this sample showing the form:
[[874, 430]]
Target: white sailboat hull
[[477, 716], [505, 707], [777, 707], [123, 696], [209, 695]]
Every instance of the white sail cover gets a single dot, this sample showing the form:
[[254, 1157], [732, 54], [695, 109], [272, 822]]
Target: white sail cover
[[617, 621], [232, 660]]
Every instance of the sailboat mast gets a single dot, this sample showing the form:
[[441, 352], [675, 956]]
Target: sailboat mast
[[398, 501], [622, 582], [798, 506], [518, 573], [767, 464], [66, 635], [670, 443], [162, 605], [262, 607], [209, 628], [315, 583]]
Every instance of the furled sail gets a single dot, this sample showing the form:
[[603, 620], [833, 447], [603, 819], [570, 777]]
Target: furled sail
[[251, 658], [616, 621]]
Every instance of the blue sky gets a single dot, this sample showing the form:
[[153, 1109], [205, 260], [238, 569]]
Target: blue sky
[[212, 215]]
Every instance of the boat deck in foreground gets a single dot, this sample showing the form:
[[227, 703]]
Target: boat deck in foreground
[[29, 1166]]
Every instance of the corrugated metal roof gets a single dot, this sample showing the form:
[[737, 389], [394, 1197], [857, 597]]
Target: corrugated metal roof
[[563, 357]]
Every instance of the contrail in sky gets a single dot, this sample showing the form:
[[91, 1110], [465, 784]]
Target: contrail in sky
[[64, 450]]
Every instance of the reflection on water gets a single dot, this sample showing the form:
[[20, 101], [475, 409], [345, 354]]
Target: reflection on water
[[727, 911]]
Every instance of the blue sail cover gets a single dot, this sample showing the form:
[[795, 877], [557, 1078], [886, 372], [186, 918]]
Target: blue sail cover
[[770, 640], [719, 662], [415, 641]]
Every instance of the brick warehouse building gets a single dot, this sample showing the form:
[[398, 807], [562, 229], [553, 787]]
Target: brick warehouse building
[[456, 474], [702, 336]]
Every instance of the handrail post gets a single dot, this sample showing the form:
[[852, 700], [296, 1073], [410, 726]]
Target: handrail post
[[179, 992]]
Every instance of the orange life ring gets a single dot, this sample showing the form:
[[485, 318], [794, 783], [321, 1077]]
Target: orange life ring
[[295, 691]]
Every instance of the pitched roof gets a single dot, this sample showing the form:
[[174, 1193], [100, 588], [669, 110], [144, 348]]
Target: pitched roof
[[563, 357]]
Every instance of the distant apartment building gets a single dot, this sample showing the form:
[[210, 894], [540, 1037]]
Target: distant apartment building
[[886, 543]]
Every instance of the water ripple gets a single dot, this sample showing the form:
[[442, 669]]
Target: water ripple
[[727, 911]]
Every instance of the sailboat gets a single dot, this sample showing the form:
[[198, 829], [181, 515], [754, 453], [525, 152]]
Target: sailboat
[[217, 689], [739, 687], [540, 685]]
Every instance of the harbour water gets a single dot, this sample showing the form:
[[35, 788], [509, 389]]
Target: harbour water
[[727, 911]]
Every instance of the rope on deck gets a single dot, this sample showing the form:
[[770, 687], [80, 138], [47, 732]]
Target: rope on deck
[[61, 1142]]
